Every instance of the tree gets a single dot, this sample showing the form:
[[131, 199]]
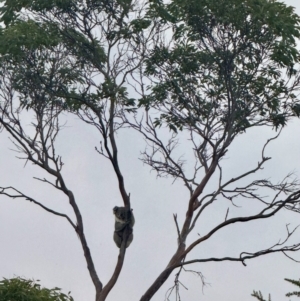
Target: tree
[[259, 295], [208, 71], [19, 289]]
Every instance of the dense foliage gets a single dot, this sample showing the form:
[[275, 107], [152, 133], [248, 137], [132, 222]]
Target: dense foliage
[[19, 289]]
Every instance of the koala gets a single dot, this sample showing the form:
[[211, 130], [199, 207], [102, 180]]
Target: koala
[[123, 218]]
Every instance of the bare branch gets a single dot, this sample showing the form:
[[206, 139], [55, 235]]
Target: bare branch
[[177, 227], [247, 190], [27, 198], [273, 208], [276, 248], [110, 284]]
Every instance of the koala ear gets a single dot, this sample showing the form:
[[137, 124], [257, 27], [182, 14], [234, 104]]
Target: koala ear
[[115, 209]]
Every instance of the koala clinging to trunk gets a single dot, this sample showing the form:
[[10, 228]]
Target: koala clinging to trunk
[[124, 219]]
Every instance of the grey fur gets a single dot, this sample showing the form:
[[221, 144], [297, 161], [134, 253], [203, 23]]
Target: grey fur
[[123, 218]]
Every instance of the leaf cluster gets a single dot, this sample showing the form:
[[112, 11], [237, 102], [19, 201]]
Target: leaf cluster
[[54, 27], [295, 282], [231, 62], [23, 36], [258, 295], [19, 289]]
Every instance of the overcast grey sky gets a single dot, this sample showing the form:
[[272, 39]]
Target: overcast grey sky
[[36, 244]]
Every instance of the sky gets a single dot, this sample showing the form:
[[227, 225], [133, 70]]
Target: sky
[[38, 245]]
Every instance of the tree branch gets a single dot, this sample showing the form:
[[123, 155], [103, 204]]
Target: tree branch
[[22, 195]]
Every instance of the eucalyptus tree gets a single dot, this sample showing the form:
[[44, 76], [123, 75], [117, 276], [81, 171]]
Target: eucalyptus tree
[[207, 70]]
